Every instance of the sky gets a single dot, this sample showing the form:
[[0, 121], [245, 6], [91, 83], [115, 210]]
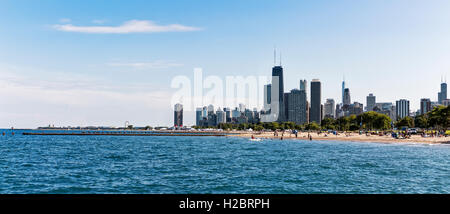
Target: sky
[[72, 63]]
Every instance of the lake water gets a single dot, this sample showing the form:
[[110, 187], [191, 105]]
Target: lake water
[[151, 164]]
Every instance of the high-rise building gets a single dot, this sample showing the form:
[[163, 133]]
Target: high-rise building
[[446, 102], [347, 99], [386, 108], [355, 109], [285, 107], [210, 109], [227, 114], [267, 96], [402, 107], [205, 111], [198, 116], [256, 116], [371, 100], [178, 115], [303, 85], [443, 94], [241, 107], [235, 113], [339, 111], [297, 110], [425, 105], [316, 96], [221, 116], [277, 93], [329, 108], [343, 91], [249, 115]]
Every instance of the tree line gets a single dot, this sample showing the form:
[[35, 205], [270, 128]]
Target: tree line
[[438, 118]]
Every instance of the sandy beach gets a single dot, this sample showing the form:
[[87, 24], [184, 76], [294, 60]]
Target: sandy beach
[[347, 137]]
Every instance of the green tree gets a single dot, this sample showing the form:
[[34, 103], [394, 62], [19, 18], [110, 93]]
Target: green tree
[[343, 123], [312, 126], [328, 123], [421, 121], [439, 117], [406, 121], [382, 121], [258, 127]]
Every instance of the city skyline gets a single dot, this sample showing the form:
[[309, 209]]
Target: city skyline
[[114, 62]]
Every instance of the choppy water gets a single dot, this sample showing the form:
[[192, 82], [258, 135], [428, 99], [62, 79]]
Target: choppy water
[[134, 164]]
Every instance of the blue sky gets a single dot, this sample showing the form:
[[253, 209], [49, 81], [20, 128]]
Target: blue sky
[[54, 72]]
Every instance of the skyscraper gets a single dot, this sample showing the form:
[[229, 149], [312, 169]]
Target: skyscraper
[[178, 115], [277, 94], [347, 100], [267, 96], [198, 116], [425, 105], [210, 109], [371, 100], [316, 94], [296, 106], [402, 107], [303, 85], [329, 108], [241, 107], [442, 95], [343, 89], [227, 114], [205, 111], [221, 116]]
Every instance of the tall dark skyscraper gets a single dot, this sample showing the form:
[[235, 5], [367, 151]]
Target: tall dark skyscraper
[[278, 88], [267, 96], [297, 109], [178, 116], [443, 94], [316, 101], [347, 99], [343, 91]]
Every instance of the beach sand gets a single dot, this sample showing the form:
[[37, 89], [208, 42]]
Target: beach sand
[[351, 137]]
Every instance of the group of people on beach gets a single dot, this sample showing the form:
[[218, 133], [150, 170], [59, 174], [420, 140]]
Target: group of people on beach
[[294, 132]]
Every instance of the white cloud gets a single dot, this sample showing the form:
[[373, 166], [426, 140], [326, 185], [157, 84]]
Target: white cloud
[[159, 64], [133, 26]]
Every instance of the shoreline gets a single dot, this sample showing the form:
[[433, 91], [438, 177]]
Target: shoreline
[[353, 137]]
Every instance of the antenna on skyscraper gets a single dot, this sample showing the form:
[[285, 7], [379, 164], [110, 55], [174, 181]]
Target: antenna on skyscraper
[[274, 55], [280, 58]]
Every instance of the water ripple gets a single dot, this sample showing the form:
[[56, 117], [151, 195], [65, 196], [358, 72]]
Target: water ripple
[[115, 164]]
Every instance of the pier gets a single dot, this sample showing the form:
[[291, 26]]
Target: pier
[[129, 134]]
